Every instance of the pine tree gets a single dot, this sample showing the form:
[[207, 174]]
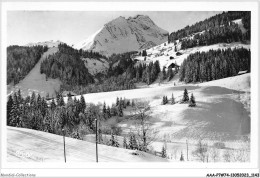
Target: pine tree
[[53, 104], [27, 100], [157, 67], [124, 103], [10, 103], [117, 101], [39, 101], [181, 158], [47, 123], [185, 96], [108, 112], [70, 100], [166, 100], [133, 103], [172, 100], [120, 110], [82, 104], [192, 102], [163, 152], [164, 73], [132, 142], [19, 97], [14, 114], [61, 101], [125, 143], [33, 100], [113, 141], [104, 111], [163, 100], [44, 106], [116, 142], [144, 53]]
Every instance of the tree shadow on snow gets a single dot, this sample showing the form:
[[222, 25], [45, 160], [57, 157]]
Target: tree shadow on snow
[[225, 120], [216, 90]]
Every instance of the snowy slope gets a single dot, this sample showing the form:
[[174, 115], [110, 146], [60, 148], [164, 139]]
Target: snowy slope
[[50, 43], [35, 81], [122, 35], [222, 113], [241, 82], [240, 24], [26, 145], [164, 51]]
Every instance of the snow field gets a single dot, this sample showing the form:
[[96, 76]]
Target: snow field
[[26, 145]]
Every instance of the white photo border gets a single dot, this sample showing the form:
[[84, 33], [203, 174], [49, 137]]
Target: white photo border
[[194, 168]]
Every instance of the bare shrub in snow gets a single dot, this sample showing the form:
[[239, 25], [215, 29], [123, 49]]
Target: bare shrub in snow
[[214, 154], [243, 153], [145, 134], [227, 156], [201, 151]]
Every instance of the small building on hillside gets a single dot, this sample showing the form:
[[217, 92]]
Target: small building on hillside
[[173, 66]]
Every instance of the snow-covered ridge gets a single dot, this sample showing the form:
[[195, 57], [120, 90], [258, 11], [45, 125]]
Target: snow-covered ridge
[[50, 43], [123, 35]]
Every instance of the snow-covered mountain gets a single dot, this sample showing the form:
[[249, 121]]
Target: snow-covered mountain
[[50, 43], [123, 35]]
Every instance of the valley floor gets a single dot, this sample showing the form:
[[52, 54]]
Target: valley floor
[[222, 115]]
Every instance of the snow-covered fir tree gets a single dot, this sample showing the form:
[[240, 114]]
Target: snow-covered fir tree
[[172, 99], [185, 98], [192, 102]]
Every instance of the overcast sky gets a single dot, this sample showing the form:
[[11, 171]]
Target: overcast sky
[[71, 27]]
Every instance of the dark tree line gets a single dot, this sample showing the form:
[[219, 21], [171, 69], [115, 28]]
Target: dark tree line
[[122, 74], [20, 61], [33, 112], [213, 25], [224, 34], [67, 65], [75, 116], [128, 68], [214, 64]]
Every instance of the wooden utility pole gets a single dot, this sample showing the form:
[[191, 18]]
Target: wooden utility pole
[[187, 150], [64, 144], [96, 141]]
